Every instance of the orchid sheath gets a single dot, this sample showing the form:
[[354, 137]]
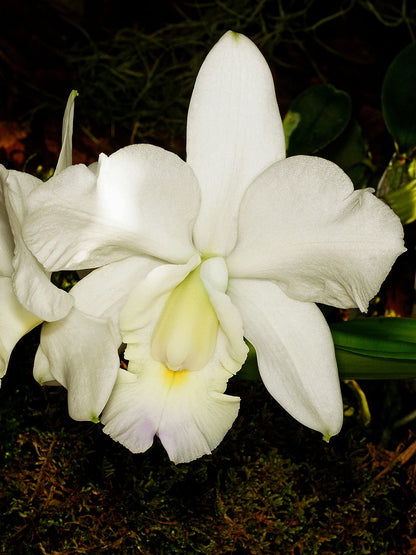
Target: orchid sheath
[[237, 242]]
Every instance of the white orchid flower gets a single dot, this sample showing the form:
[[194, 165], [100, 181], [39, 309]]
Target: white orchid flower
[[15, 321], [236, 242], [59, 309], [17, 264]]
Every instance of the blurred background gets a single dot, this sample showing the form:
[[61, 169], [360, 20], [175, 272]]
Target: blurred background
[[134, 63]]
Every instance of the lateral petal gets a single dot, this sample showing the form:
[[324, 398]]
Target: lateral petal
[[103, 292], [234, 132], [295, 353], [141, 200], [81, 353], [303, 225], [41, 369]]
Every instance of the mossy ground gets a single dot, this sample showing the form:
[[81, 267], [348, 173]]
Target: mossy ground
[[272, 486]]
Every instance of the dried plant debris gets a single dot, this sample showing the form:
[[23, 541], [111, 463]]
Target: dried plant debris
[[271, 487]]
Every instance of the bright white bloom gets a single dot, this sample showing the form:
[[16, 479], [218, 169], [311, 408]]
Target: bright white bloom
[[15, 321], [96, 334], [17, 264], [236, 242]]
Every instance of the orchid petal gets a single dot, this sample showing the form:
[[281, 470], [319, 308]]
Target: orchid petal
[[303, 225], [180, 408], [187, 407], [64, 209], [31, 282], [295, 353], [143, 308], [142, 200], [234, 132], [41, 369], [214, 276], [6, 235], [103, 292], [148, 298], [15, 322], [35, 290], [81, 353], [65, 156]]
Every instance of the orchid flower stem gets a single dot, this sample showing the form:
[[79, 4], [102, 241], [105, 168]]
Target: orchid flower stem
[[362, 401]]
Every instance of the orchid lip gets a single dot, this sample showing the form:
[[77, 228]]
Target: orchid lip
[[185, 334]]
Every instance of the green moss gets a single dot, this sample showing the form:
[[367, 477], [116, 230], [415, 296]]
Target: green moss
[[272, 486]]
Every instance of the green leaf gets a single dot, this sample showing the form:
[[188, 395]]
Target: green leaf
[[398, 187], [398, 99], [403, 202], [383, 337], [367, 349], [352, 366], [316, 118], [350, 152], [250, 370], [376, 348]]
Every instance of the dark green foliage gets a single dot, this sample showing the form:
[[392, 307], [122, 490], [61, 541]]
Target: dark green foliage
[[399, 99], [319, 122], [323, 113], [375, 348], [350, 151]]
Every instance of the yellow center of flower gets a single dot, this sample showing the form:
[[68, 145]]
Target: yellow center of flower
[[174, 378], [186, 333]]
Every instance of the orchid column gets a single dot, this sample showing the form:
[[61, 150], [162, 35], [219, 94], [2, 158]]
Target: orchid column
[[237, 242]]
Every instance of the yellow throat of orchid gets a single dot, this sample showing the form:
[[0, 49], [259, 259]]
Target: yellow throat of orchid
[[186, 333]]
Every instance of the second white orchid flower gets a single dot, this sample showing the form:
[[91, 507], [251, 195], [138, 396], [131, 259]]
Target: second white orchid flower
[[18, 267], [237, 242], [15, 321]]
